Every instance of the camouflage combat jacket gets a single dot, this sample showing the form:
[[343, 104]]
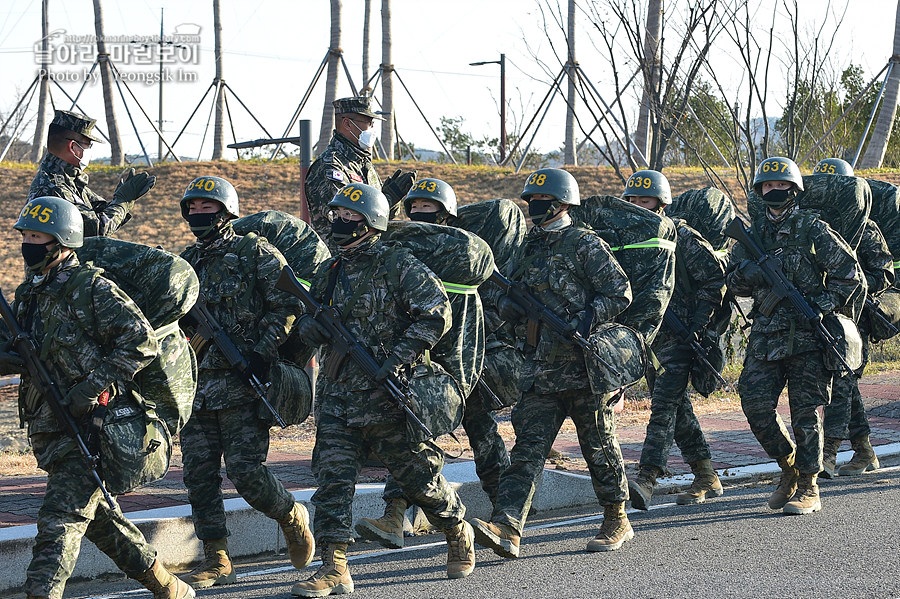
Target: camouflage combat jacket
[[391, 303], [342, 163], [875, 259], [237, 280], [821, 266], [58, 178], [569, 270], [86, 328]]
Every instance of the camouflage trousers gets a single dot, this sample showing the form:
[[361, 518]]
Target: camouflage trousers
[[339, 455], [73, 508], [537, 419], [845, 416], [237, 434], [809, 386], [671, 412], [488, 449]]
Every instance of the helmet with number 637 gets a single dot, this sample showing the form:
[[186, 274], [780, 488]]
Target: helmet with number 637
[[777, 169], [54, 216], [366, 200], [651, 184], [553, 182]]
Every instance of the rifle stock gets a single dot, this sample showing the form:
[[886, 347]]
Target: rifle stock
[[26, 347]]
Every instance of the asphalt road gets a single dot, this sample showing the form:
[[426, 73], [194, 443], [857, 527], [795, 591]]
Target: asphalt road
[[730, 547]]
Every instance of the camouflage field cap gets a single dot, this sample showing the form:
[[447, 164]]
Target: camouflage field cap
[[78, 123], [357, 105]]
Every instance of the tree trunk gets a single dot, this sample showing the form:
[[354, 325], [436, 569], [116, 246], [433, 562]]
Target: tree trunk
[[570, 155], [881, 135], [115, 142], [40, 129], [643, 135], [218, 127], [331, 81], [365, 49], [387, 76]]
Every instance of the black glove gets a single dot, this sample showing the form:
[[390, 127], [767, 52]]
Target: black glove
[[585, 322], [510, 310], [815, 320], [259, 366], [391, 366], [398, 185], [132, 186], [81, 399], [752, 273], [311, 332], [11, 363]]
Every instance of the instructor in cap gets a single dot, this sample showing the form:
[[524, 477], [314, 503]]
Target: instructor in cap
[[70, 142]]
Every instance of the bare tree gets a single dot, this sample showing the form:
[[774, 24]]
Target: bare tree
[[40, 129], [115, 141], [882, 133], [218, 127], [387, 81], [331, 81]]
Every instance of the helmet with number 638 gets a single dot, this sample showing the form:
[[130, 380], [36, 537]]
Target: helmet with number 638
[[432, 189], [212, 188], [553, 182], [777, 169], [366, 200], [651, 184], [54, 216]]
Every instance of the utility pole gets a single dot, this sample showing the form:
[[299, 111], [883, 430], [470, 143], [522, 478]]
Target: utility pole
[[502, 63], [40, 130]]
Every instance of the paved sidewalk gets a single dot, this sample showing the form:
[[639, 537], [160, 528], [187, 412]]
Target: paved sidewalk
[[732, 443]]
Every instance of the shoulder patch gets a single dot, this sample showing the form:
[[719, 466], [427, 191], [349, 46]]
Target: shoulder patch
[[335, 175]]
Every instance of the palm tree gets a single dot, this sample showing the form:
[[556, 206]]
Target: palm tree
[[570, 156], [331, 81], [115, 142], [651, 76], [881, 135], [40, 129]]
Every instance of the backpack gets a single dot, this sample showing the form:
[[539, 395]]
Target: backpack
[[708, 211], [164, 286], [498, 222], [886, 212], [643, 243]]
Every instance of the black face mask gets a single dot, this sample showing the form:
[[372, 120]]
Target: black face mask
[[778, 198], [202, 223], [38, 255], [424, 217], [344, 233], [540, 210]]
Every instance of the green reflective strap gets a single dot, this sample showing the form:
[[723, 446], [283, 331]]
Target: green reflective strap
[[461, 289], [656, 242], [164, 331], [897, 265], [306, 284], [722, 253]]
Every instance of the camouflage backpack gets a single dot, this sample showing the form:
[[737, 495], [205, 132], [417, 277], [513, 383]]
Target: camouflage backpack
[[164, 287], [707, 210], [886, 213], [643, 243]]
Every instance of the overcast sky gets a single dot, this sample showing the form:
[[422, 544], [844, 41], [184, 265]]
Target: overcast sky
[[272, 49]]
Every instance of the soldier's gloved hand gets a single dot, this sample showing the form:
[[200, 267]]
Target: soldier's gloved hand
[[752, 273], [585, 322], [133, 185], [311, 332], [259, 366], [390, 367], [11, 363], [398, 185], [81, 399], [815, 320], [510, 310]]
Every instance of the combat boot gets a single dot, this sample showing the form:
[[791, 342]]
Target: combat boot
[[863, 459], [641, 488], [503, 539], [165, 585], [215, 569], [829, 457], [787, 486], [706, 484], [387, 530], [299, 538], [333, 578], [460, 550], [806, 499], [615, 530]]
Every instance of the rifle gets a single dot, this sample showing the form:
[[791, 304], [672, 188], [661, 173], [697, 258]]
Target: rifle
[[676, 326], [26, 347], [872, 305], [208, 329], [538, 313], [496, 402], [781, 287], [346, 346]]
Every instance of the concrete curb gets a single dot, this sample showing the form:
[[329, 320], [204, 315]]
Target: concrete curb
[[170, 529]]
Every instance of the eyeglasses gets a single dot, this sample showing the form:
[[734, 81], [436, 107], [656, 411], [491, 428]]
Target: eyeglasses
[[347, 218]]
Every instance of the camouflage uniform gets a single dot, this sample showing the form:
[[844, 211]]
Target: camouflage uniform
[[114, 344], [404, 312], [699, 290], [570, 269], [845, 416], [783, 348], [237, 280]]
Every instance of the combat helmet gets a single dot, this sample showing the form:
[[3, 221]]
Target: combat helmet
[[432, 189], [54, 216], [365, 199], [833, 166], [554, 182], [652, 184], [777, 169], [212, 188]]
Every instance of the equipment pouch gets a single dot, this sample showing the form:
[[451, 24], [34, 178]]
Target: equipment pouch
[[135, 445], [290, 393], [437, 401]]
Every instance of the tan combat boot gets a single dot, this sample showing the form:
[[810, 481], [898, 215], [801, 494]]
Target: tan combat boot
[[387, 530], [641, 488], [863, 459], [706, 484], [829, 457], [615, 530], [806, 499], [503, 539], [299, 538], [333, 578], [787, 486], [165, 585], [460, 550], [215, 569]]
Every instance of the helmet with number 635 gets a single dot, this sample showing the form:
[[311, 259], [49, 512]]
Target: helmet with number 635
[[54, 216], [833, 166], [366, 200], [553, 182]]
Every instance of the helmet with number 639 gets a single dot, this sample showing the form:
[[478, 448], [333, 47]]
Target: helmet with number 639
[[777, 169], [54, 216], [432, 189], [651, 184], [553, 182], [366, 200]]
